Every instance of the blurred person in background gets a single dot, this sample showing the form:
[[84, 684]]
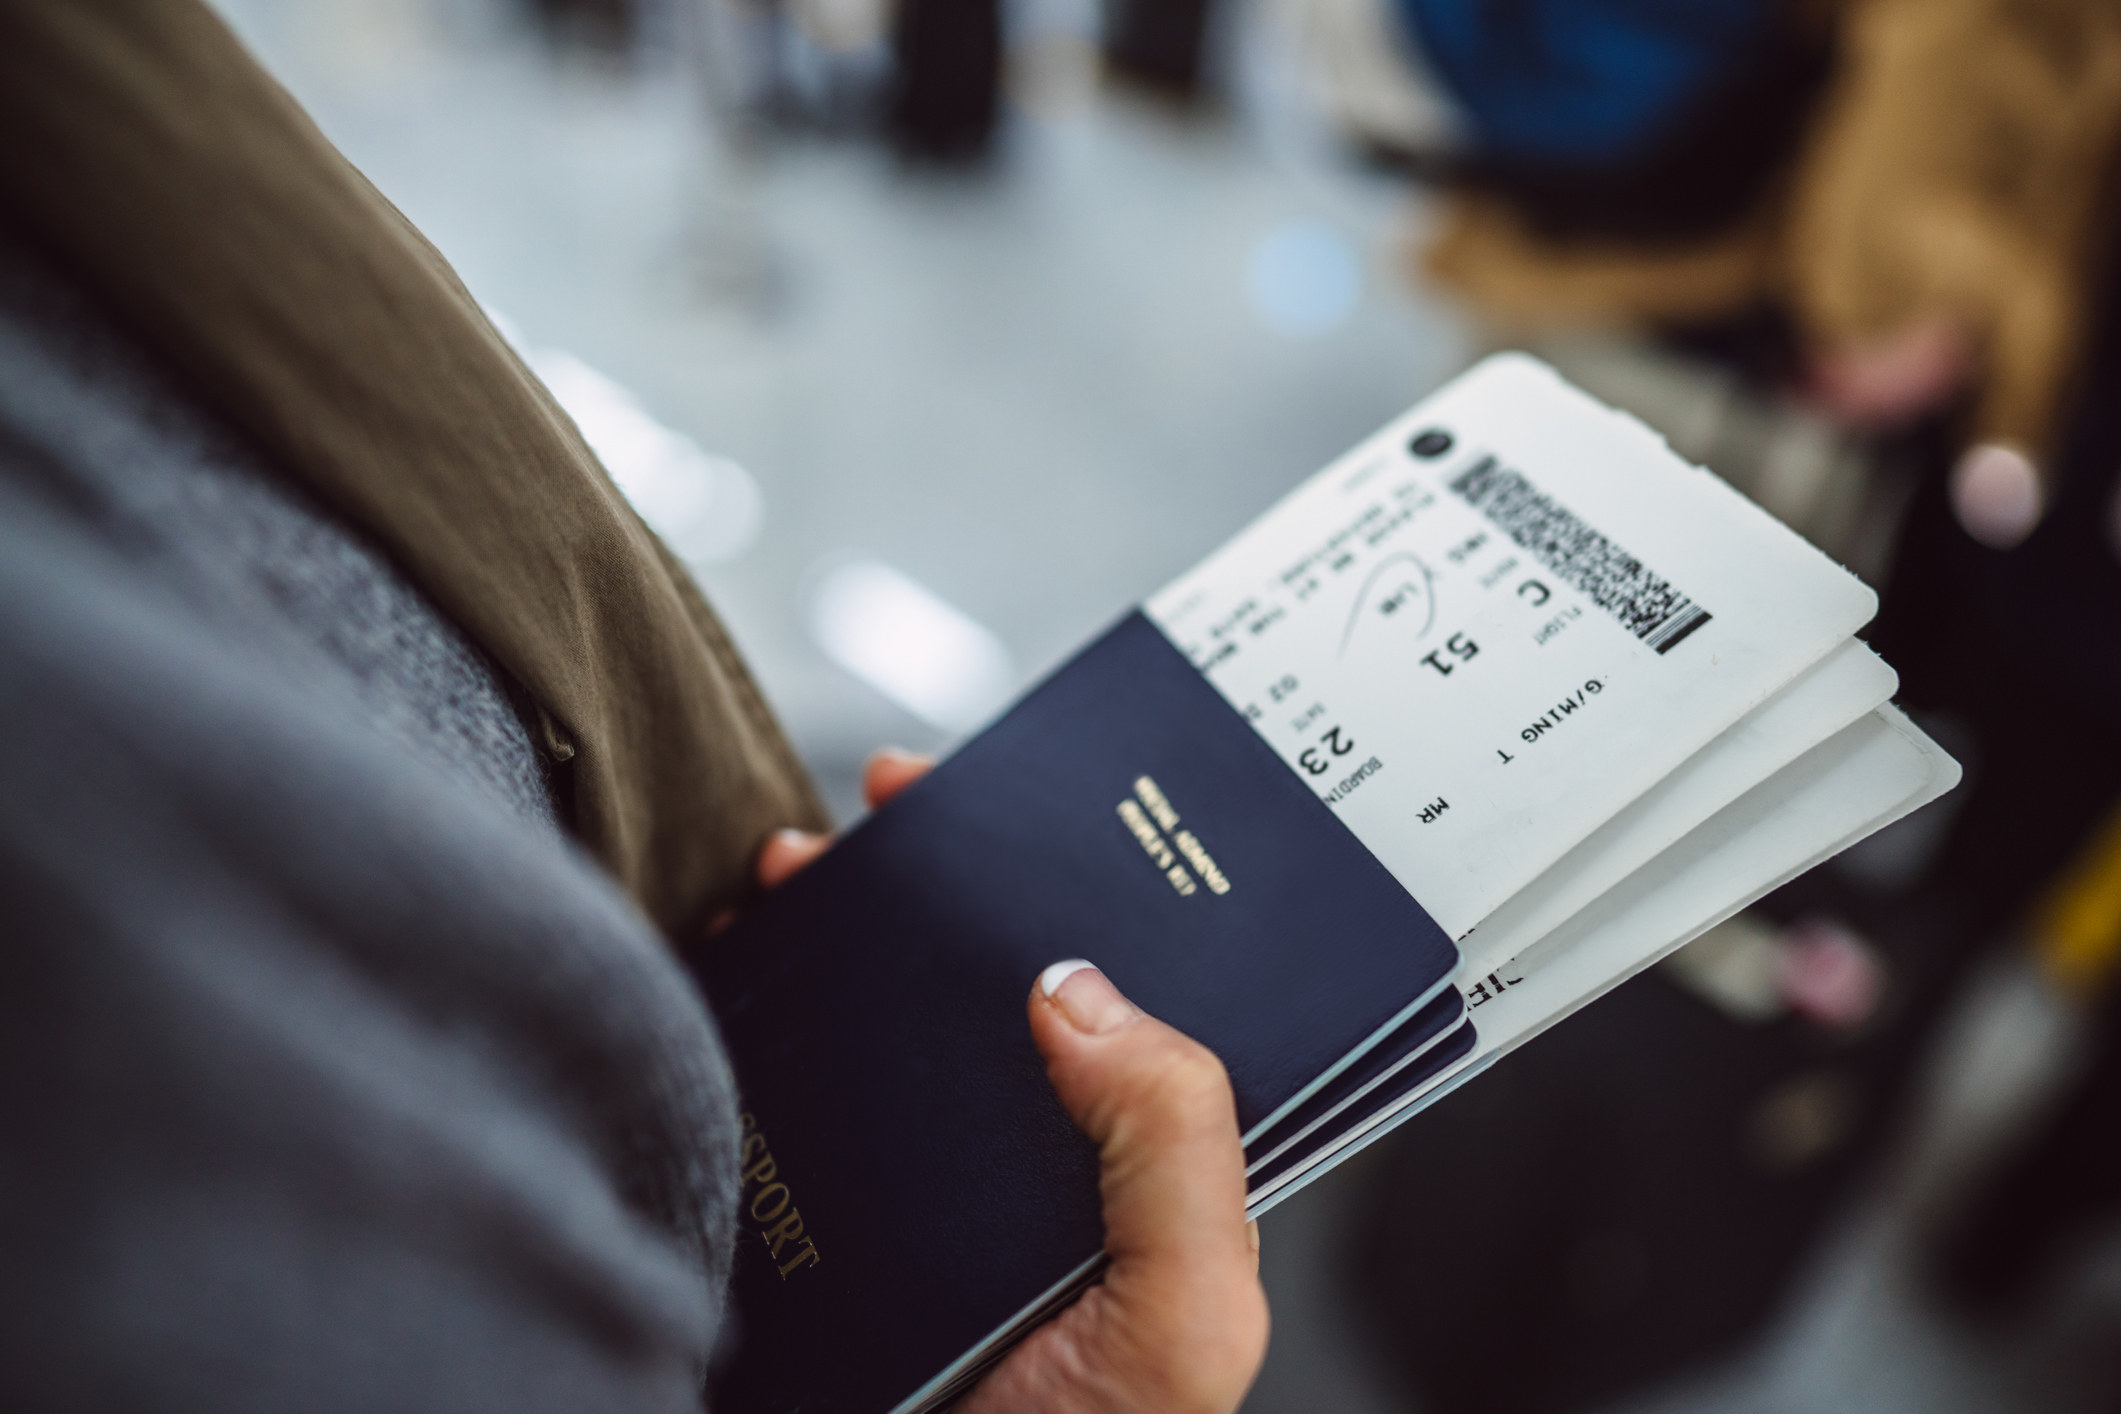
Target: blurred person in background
[[928, 72], [370, 763], [1860, 257], [1913, 189]]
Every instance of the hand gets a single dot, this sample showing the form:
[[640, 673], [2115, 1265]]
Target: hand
[[1876, 385], [1180, 1322], [786, 851], [1179, 1325]]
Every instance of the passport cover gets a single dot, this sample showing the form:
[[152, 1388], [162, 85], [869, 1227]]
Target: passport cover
[[912, 1187], [1350, 1097], [1423, 1066]]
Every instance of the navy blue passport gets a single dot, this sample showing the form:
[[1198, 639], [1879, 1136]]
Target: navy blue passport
[[914, 1197], [1346, 1099], [1279, 1163]]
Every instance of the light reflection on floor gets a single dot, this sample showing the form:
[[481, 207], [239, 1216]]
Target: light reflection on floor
[[1038, 393]]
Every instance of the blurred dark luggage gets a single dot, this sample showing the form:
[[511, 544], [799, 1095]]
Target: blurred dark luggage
[[946, 99], [1629, 1197], [1159, 44]]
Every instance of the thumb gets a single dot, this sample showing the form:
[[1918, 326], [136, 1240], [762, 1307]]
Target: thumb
[[1180, 1322], [1158, 1106]]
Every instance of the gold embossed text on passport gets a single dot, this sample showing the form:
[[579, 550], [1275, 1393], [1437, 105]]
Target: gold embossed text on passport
[[1148, 814], [772, 1206]]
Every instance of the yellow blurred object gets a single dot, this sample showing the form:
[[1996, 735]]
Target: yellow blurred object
[[2077, 932]]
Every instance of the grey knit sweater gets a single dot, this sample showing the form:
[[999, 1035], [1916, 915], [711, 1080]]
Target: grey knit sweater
[[332, 1077]]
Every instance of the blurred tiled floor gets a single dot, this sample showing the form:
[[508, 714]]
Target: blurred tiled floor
[[1039, 391]]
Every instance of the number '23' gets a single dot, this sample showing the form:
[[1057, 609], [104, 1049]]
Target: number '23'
[[1317, 764]]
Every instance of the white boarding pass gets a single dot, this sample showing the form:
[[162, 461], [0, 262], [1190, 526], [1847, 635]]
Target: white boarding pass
[[1489, 627]]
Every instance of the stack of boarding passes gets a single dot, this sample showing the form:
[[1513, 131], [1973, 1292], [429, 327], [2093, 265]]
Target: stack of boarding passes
[[1494, 712], [1571, 803]]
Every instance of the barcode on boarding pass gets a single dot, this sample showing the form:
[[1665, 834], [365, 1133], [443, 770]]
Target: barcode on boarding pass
[[1647, 606]]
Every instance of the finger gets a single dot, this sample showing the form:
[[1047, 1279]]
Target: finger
[[891, 771], [1882, 382], [786, 852], [1190, 1318], [1158, 1106]]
